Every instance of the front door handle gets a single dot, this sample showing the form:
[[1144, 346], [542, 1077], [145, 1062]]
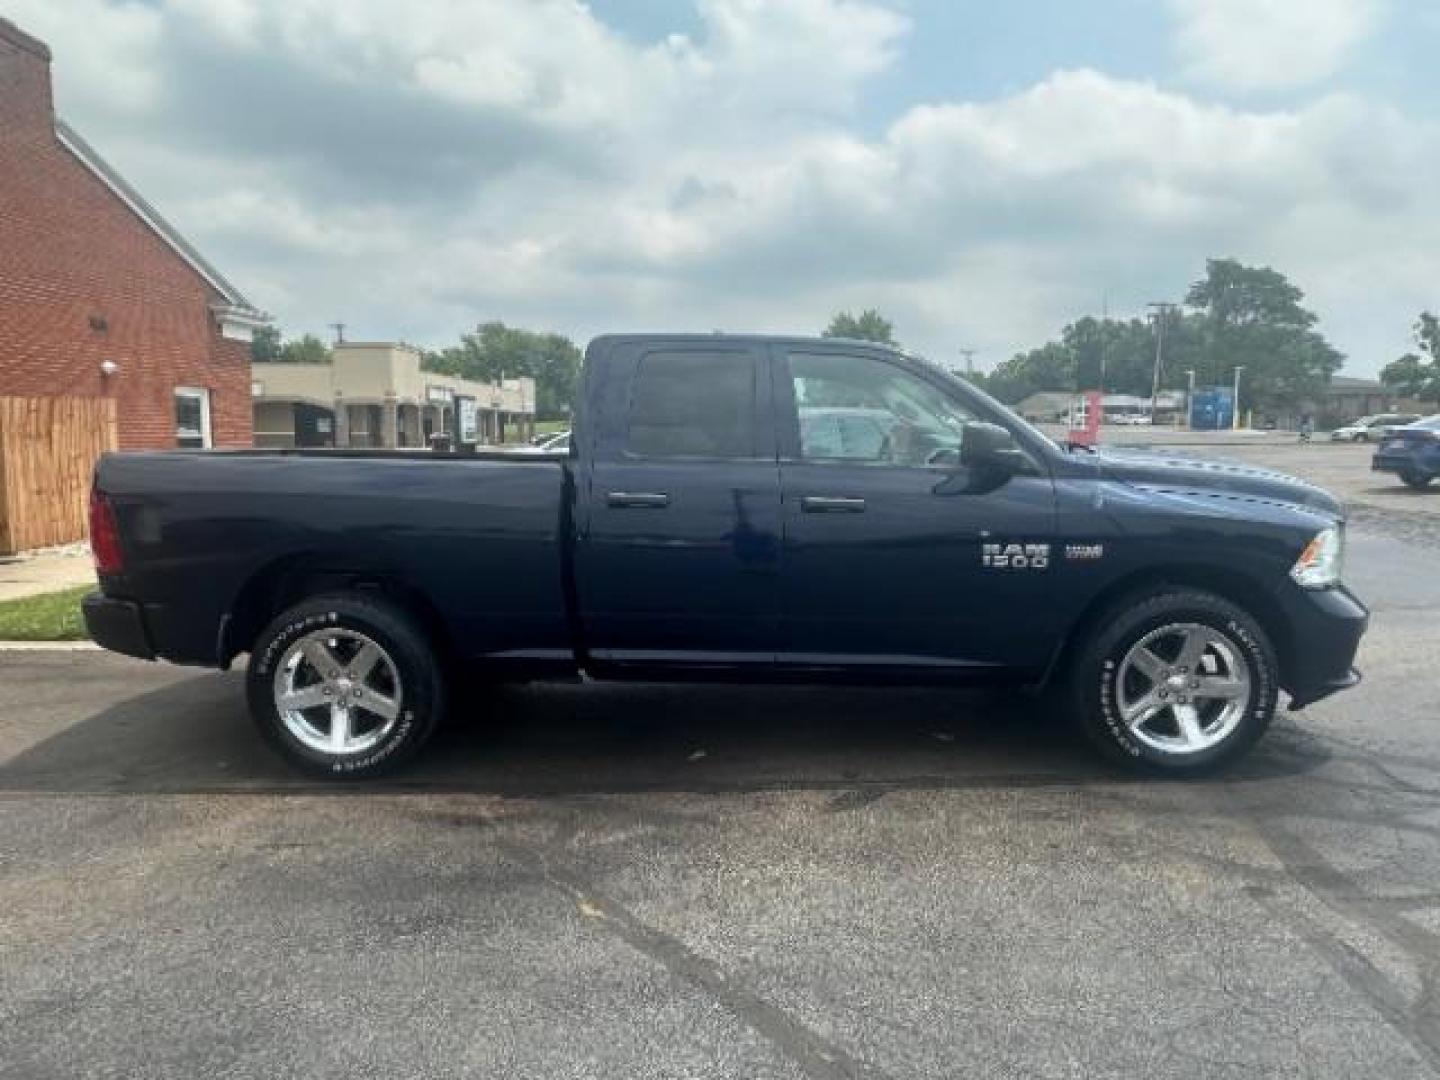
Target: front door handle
[[826, 504], [637, 500]]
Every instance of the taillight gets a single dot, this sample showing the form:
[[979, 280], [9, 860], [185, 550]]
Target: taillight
[[105, 535]]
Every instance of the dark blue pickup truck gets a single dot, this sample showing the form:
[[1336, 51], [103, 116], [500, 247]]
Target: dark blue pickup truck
[[735, 508]]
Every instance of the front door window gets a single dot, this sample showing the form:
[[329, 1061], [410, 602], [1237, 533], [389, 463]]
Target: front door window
[[863, 411]]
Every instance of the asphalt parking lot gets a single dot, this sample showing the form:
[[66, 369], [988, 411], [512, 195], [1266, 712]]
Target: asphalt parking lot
[[737, 882]]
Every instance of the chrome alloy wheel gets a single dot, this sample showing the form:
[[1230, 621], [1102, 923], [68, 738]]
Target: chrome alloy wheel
[[337, 691], [1183, 688]]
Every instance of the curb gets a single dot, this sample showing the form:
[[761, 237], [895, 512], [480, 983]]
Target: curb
[[49, 646]]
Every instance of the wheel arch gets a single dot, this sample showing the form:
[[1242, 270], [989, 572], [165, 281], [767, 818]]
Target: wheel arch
[[1244, 591], [286, 581]]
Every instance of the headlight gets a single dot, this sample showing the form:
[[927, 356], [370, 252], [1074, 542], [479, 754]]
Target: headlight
[[1319, 564]]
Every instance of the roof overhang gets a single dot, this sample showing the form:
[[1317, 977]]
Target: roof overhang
[[238, 323], [242, 315]]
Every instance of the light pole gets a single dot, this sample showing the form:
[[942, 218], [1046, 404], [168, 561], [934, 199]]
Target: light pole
[[1190, 400], [1235, 399]]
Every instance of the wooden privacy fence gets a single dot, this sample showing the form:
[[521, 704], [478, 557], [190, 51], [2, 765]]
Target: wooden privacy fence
[[48, 448]]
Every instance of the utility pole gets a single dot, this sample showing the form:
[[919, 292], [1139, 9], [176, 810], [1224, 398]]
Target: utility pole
[[339, 328], [1190, 400], [1163, 308], [1104, 339], [969, 355], [1235, 400]]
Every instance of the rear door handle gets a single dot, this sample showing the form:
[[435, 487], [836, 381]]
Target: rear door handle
[[827, 504], [638, 500]]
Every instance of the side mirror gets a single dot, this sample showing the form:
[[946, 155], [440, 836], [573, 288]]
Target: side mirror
[[990, 446]]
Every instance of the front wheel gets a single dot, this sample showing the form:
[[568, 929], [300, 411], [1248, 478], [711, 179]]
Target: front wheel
[[1177, 682], [1417, 480], [345, 686]]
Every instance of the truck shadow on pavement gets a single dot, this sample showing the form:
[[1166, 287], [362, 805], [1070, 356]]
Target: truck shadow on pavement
[[193, 736]]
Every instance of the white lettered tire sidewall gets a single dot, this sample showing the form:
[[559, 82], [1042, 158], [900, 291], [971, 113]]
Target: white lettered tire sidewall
[[390, 627], [1099, 661]]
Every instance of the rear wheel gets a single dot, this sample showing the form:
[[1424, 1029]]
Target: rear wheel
[[1417, 480], [345, 686], [1177, 682]]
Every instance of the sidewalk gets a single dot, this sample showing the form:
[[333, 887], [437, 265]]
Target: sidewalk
[[51, 570]]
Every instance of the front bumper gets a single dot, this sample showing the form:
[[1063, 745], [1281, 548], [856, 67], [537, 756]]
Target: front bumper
[[1326, 626], [117, 625]]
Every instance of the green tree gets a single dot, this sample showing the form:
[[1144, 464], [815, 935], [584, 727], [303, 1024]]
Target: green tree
[[305, 350], [1253, 317], [870, 325], [1050, 367], [1417, 375], [265, 345], [1116, 355], [1236, 316], [498, 351]]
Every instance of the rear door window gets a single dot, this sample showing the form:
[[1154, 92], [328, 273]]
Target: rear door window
[[692, 404]]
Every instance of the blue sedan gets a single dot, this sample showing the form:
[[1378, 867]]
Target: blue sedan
[[1412, 451]]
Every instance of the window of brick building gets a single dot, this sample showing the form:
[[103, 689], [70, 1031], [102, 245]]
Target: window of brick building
[[192, 418]]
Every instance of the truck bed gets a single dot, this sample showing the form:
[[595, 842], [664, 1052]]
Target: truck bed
[[481, 536]]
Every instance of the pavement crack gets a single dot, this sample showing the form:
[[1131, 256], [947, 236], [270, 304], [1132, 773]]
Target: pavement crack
[[856, 798], [815, 1055], [1418, 1023]]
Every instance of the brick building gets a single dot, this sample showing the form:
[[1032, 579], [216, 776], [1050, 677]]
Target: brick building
[[99, 295]]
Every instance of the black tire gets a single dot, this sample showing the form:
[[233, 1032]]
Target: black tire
[[1417, 480], [406, 678], [1100, 667]]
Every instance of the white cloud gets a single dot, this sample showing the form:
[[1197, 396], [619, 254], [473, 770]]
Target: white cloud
[[1271, 44], [107, 49], [518, 159]]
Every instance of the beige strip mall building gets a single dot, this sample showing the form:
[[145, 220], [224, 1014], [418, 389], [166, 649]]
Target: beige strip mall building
[[374, 394]]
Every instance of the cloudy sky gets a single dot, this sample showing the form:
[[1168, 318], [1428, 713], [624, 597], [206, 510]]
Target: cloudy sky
[[981, 171]]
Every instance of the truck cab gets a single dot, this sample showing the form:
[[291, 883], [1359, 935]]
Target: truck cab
[[803, 505]]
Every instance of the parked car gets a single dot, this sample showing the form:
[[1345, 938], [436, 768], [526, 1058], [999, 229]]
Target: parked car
[[703, 527], [557, 442], [1412, 452], [1371, 428]]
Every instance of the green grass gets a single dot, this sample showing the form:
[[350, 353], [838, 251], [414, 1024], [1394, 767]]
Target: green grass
[[48, 617], [550, 427]]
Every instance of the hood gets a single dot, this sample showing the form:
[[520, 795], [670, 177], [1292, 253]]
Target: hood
[[1164, 471]]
